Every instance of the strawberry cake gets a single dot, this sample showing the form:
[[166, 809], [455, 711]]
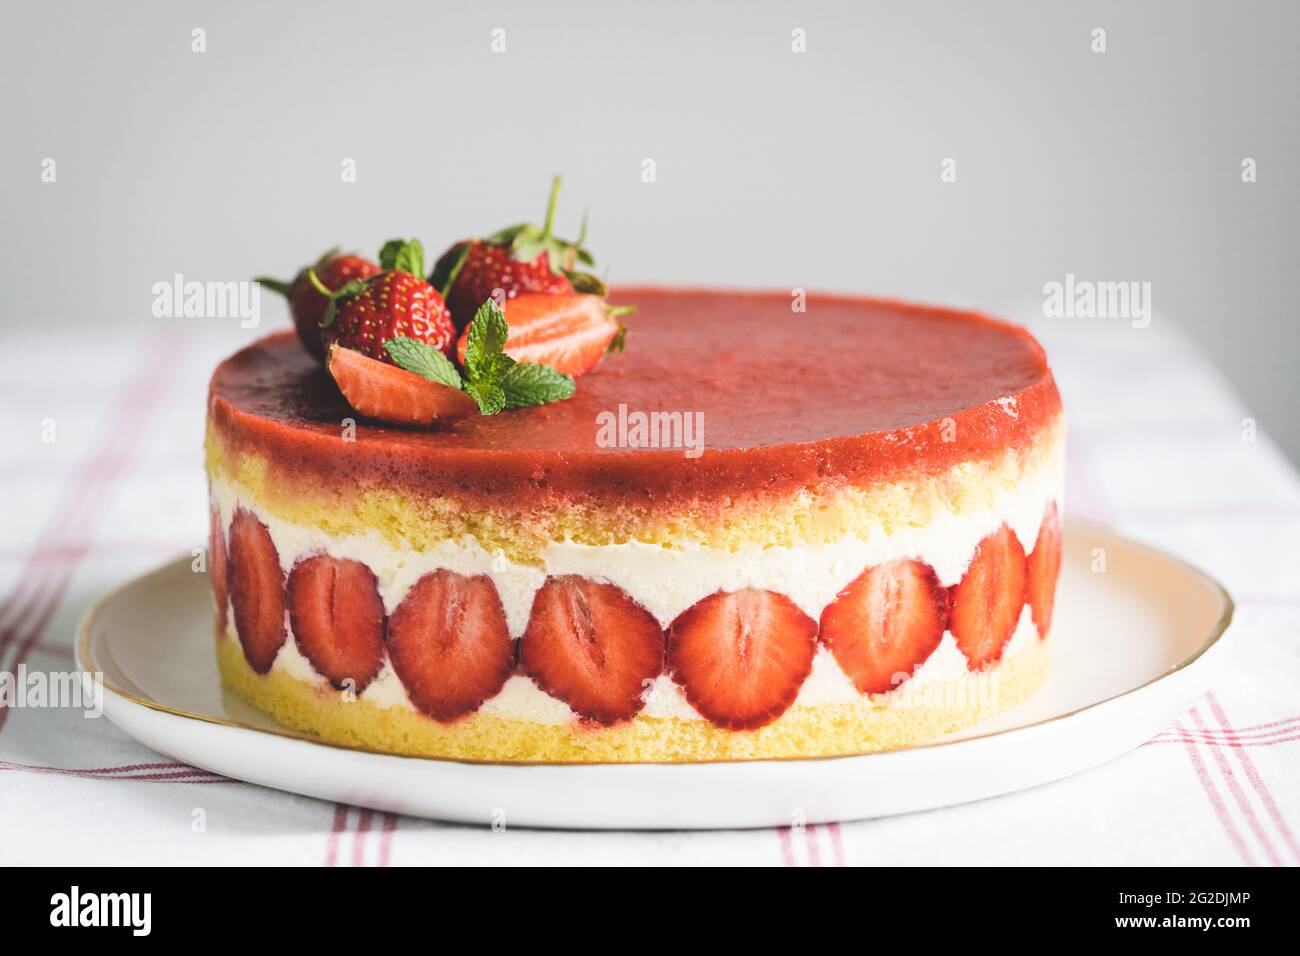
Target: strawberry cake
[[810, 533]]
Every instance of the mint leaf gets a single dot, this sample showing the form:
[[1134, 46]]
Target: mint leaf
[[485, 356], [404, 255], [526, 383], [489, 395], [424, 360]]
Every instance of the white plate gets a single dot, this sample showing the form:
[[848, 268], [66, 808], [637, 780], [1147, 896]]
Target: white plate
[[1130, 651]]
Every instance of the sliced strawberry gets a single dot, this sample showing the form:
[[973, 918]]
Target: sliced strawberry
[[570, 333], [742, 656], [1044, 566], [591, 645], [886, 623], [986, 605], [219, 567], [449, 644], [391, 394], [256, 590], [338, 619]]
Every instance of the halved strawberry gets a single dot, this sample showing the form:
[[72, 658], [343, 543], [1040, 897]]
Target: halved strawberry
[[589, 644], [886, 623], [219, 568], [1044, 566], [742, 656], [338, 619], [449, 644], [986, 605], [570, 333], [256, 590], [391, 394]]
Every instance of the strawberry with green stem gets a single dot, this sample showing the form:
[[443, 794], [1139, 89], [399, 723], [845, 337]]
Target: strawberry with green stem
[[519, 259], [307, 304], [363, 314]]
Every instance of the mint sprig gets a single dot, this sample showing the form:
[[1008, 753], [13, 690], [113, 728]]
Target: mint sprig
[[497, 381], [492, 378]]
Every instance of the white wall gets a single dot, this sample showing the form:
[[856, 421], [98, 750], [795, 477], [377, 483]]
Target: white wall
[[818, 170]]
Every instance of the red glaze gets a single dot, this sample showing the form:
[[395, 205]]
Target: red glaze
[[853, 390]]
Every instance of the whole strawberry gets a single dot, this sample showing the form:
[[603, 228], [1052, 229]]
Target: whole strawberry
[[306, 304], [363, 314], [522, 258]]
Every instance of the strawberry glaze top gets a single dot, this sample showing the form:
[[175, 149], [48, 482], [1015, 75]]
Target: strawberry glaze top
[[853, 390]]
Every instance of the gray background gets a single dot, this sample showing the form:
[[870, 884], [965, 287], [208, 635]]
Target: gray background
[[818, 170]]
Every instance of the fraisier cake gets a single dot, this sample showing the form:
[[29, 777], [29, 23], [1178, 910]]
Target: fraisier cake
[[861, 553]]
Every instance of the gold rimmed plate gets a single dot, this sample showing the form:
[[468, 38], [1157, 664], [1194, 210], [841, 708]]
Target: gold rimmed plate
[[1134, 640]]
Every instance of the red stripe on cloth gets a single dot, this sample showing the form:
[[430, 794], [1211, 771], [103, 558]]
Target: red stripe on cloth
[[1234, 744], [1234, 788], [787, 851], [359, 837], [1217, 803], [178, 776], [106, 468], [332, 842], [814, 852], [1256, 781], [837, 842], [75, 507], [72, 510], [1254, 732], [386, 839], [122, 769]]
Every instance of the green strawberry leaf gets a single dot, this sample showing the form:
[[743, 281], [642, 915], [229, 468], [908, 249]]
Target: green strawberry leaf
[[424, 360], [619, 342], [404, 255], [527, 383], [587, 283], [506, 236], [334, 296], [448, 267], [388, 254], [489, 395]]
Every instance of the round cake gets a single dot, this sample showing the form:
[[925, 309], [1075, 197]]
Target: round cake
[[758, 533]]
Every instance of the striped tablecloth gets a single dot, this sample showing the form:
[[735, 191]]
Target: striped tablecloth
[[101, 475]]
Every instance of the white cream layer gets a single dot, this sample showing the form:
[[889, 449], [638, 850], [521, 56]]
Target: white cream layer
[[667, 582]]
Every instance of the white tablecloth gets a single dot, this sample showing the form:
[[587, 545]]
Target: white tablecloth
[[1158, 450]]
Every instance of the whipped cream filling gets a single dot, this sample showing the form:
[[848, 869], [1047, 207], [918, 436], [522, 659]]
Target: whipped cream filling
[[667, 582]]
